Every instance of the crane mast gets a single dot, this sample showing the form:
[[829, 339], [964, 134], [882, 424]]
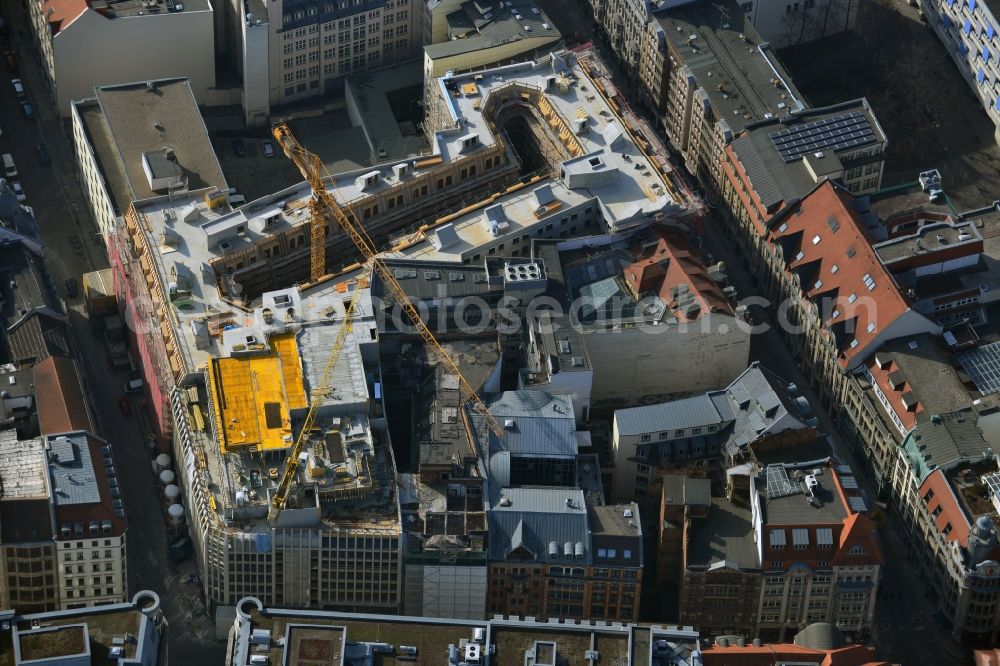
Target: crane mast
[[323, 206], [319, 392]]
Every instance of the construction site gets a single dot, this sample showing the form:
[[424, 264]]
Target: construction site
[[264, 337]]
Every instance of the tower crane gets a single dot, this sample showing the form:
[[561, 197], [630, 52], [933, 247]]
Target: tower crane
[[323, 206], [318, 393]]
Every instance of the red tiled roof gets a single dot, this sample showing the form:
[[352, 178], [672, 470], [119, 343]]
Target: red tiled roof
[[673, 261], [951, 511], [778, 653], [60, 13], [826, 246], [59, 396], [883, 378], [859, 530]]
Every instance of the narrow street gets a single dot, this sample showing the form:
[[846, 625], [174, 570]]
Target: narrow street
[[72, 248]]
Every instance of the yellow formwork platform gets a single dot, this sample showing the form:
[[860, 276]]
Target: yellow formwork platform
[[253, 395]]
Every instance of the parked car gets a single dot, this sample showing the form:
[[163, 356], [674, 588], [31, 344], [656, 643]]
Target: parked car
[[11, 58], [28, 110], [239, 148], [43, 154], [133, 386], [18, 88], [180, 550], [125, 406], [267, 147], [18, 190], [72, 289]]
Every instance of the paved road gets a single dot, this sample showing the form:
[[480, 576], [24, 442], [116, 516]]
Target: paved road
[[73, 247]]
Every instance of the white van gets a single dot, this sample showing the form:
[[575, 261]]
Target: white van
[[9, 169], [133, 386]]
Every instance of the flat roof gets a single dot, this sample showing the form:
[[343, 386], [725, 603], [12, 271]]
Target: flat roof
[[255, 393], [477, 25], [103, 626], [931, 237], [124, 121], [514, 644], [22, 467], [795, 508], [775, 178], [727, 535], [431, 637], [734, 66], [370, 92], [614, 519], [47, 643]]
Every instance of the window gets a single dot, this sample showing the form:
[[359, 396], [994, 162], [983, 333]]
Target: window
[[645, 438], [678, 433], [627, 554], [857, 550], [776, 565], [612, 552]]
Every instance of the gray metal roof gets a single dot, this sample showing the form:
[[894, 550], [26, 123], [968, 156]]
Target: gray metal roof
[[74, 480], [943, 440], [820, 636], [760, 401], [726, 536], [758, 171], [696, 411], [535, 422], [537, 518]]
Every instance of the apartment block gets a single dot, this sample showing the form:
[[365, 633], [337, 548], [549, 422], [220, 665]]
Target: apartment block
[[555, 550], [63, 542], [81, 43], [707, 77], [292, 50], [758, 411], [968, 32]]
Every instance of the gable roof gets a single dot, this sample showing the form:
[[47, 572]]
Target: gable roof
[[60, 13], [38, 335], [951, 512], [59, 396], [859, 530], [825, 246], [671, 269]]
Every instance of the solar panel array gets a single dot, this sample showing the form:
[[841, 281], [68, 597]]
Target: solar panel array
[[982, 364], [778, 483], [849, 130], [857, 504]]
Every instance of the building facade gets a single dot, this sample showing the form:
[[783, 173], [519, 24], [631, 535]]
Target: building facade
[[81, 45], [291, 50], [968, 31]]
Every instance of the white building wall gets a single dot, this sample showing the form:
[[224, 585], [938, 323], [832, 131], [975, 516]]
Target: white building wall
[[664, 361], [256, 81], [91, 571], [93, 182], [94, 50]]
